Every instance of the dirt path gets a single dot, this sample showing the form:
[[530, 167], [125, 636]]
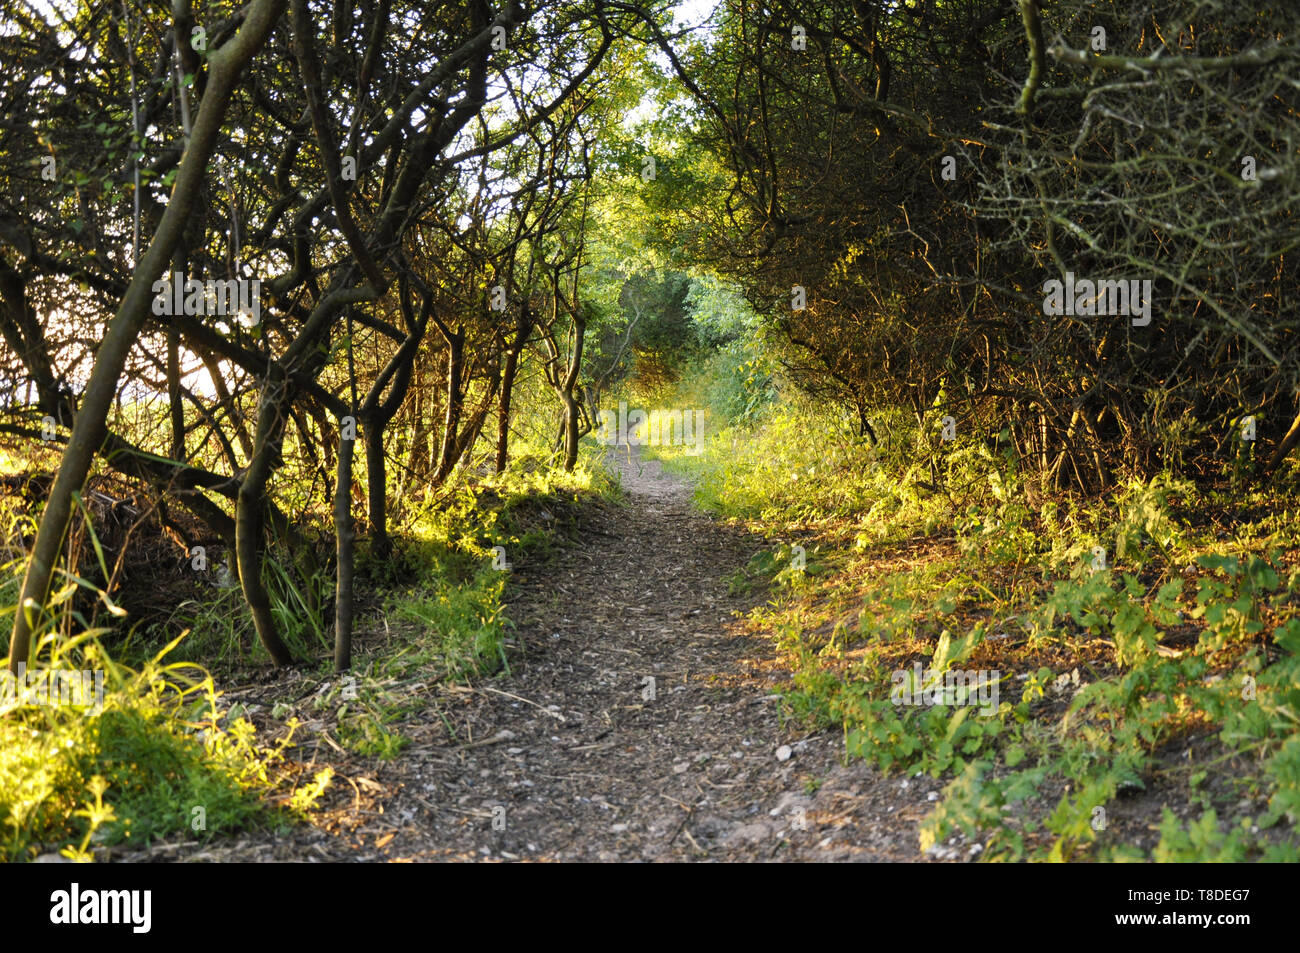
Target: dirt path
[[572, 756]]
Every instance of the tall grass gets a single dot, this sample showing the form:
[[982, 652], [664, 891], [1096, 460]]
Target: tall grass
[[150, 755], [155, 758]]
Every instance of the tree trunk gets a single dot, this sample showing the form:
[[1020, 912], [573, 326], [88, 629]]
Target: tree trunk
[[570, 382], [376, 488], [175, 408], [1286, 446], [503, 407], [345, 536], [523, 328], [455, 402], [570, 432], [248, 520], [420, 413], [174, 405], [376, 414]]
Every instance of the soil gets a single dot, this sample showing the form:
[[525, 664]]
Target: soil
[[574, 755]]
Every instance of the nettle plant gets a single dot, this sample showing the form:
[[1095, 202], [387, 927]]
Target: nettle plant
[[1144, 530], [918, 738], [1003, 533], [1232, 601], [1263, 717], [1125, 613]]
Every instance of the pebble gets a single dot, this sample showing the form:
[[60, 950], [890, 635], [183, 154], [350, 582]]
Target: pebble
[[783, 753]]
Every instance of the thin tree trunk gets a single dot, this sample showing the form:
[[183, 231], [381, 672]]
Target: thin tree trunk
[[1286, 446], [377, 413], [570, 382], [248, 520], [345, 536], [503, 408], [174, 404], [175, 407], [523, 327], [455, 402], [376, 488], [419, 430], [226, 400]]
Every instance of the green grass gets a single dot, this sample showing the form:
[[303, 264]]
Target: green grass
[[154, 758], [160, 760]]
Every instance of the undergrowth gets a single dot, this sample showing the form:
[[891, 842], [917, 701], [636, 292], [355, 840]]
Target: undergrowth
[[155, 756], [1108, 679], [141, 756]]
